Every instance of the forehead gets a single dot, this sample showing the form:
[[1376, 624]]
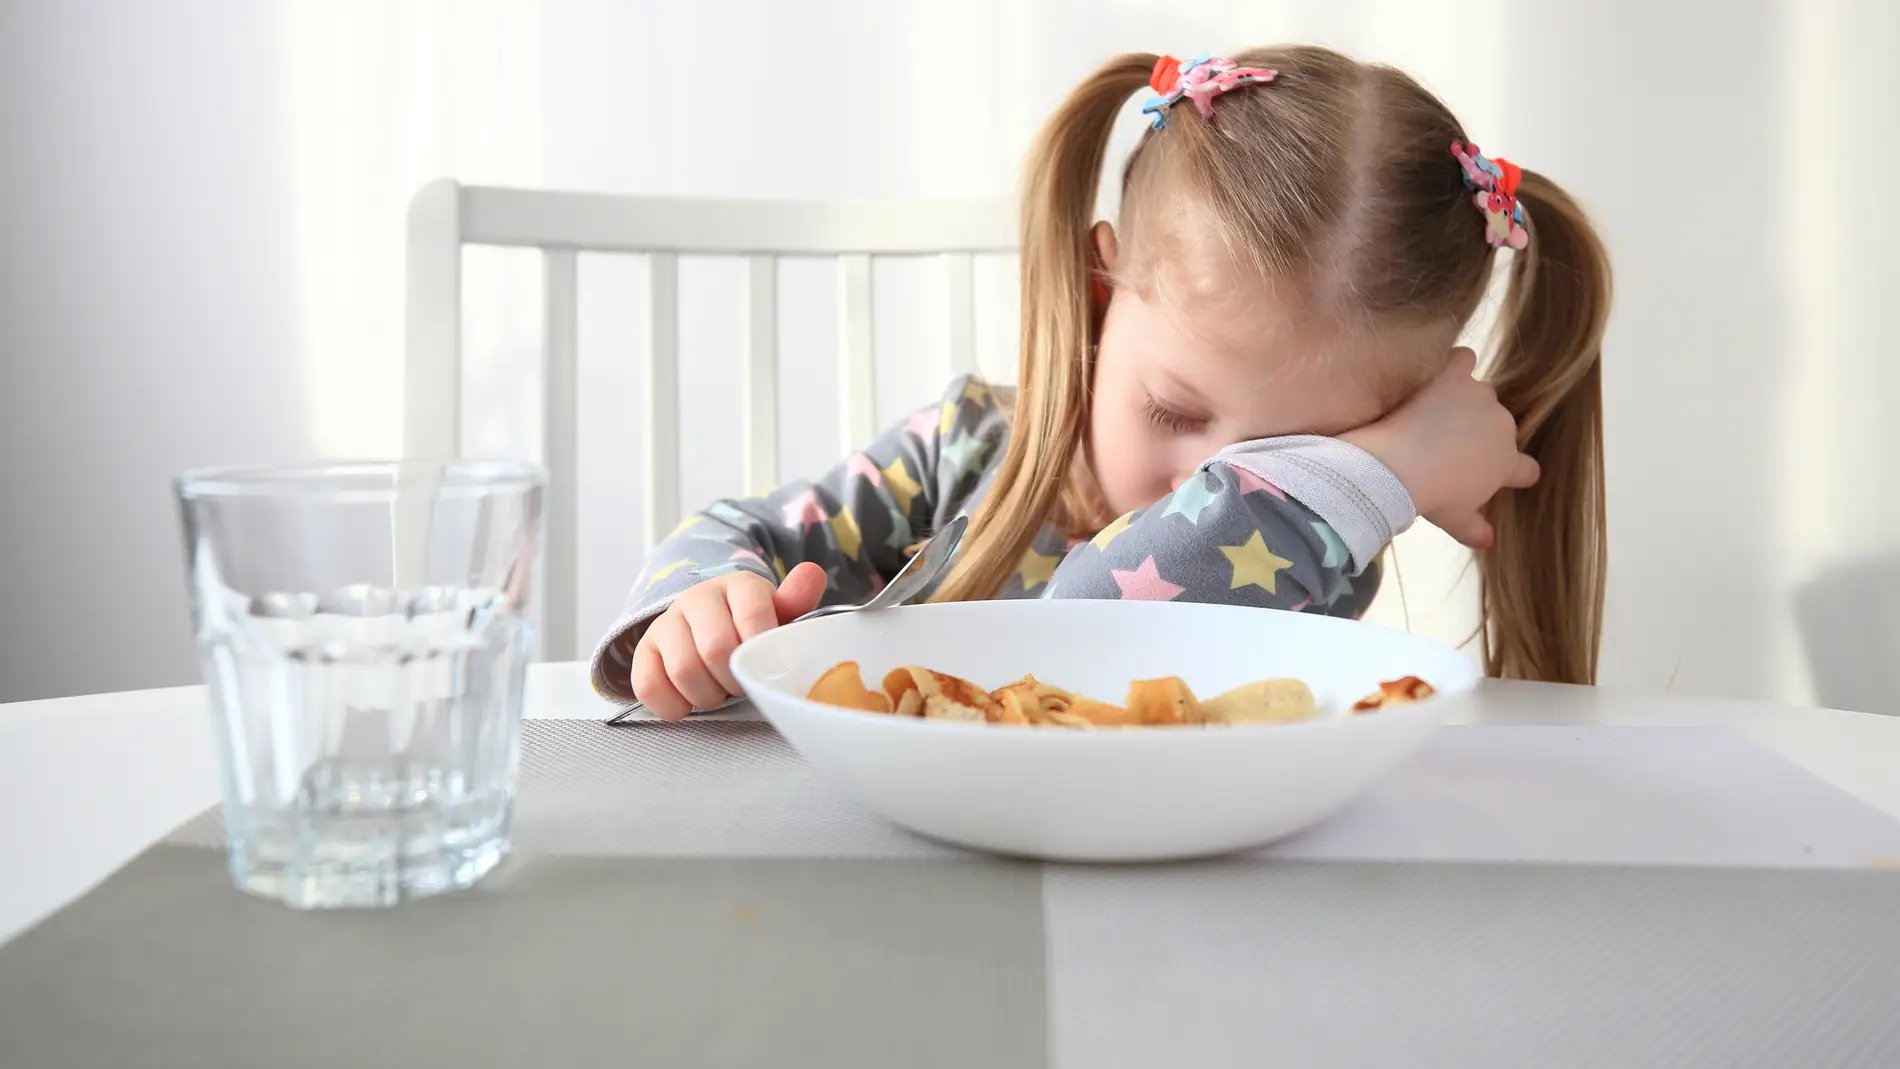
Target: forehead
[[1236, 350]]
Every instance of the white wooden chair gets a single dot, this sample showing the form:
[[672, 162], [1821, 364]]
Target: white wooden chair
[[444, 216]]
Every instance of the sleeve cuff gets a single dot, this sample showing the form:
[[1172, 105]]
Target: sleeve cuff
[[611, 670], [1342, 484]]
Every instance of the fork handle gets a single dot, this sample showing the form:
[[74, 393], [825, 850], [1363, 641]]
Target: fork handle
[[640, 707]]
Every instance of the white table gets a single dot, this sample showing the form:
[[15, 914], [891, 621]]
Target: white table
[[1637, 895], [122, 770]]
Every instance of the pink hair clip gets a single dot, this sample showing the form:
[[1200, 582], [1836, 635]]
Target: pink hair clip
[[1200, 79], [1496, 184]]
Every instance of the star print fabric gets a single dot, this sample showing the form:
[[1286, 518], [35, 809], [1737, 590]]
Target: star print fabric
[[1237, 532], [1233, 534]]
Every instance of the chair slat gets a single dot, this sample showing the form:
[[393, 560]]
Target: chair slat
[[560, 454], [857, 409], [432, 363], [432, 369], [961, 269], [758, 375], [662, 481]]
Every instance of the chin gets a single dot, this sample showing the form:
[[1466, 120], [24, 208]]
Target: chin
[[1119, 505]]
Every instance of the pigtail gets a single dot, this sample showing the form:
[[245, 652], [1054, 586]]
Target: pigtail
[[1542, 579], [1060, 181]]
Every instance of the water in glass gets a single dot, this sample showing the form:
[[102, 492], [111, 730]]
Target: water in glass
[[364, 631]]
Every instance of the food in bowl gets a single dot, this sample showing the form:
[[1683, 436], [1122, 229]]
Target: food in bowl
[[912, 691], [1396, 692]]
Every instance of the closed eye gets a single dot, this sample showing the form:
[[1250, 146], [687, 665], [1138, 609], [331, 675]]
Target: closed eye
[[1170, 420]]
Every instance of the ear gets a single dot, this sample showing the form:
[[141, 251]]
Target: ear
[[1106, 249]]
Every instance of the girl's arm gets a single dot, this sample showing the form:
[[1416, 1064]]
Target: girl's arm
[[1292, 522], [1285, 523], [856, 522]]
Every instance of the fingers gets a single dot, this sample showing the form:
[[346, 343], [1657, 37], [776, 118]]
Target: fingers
[[751, 605], [1523, 474], [650, 683], [684, 661], [684, 666], [714, 637], [800, 592]]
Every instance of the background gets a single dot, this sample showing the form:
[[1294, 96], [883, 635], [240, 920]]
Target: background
[[202, 205]]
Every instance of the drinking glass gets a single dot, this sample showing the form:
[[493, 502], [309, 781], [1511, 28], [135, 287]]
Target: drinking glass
[[365, 630]]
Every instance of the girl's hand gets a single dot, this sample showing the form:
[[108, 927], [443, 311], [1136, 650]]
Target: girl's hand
[[683, 661], [1453, 447]]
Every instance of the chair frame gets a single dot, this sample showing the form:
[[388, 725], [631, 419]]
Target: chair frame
[[446, 216]]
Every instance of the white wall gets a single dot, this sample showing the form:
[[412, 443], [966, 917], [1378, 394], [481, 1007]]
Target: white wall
[[212, 196], [145, 321]]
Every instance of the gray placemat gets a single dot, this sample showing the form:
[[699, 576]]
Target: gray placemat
[[720, 789], [1695, 796], [568, 961], [1434, 965], [884, 950]]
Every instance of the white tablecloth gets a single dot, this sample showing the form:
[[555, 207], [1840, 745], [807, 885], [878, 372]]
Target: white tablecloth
[[1516, 894]]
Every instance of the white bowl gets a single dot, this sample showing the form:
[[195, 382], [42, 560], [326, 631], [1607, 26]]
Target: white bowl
[[1117, 795]]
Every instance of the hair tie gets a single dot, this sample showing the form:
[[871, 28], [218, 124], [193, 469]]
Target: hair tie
[[1200, 79], [1496, 184]]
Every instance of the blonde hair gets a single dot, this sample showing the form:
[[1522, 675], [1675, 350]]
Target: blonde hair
[[1336, 179]]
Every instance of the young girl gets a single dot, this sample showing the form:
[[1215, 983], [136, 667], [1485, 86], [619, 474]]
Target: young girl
[[1255, 372]]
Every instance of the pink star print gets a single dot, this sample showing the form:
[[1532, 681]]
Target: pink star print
[[1304, 604], [1250, 480], [922, 425], [804, 511], [1145, 584], [864, 468], [746, 554]]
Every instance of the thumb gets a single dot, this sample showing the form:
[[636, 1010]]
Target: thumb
[[1470, 529], [1524, 473], [799, 594]]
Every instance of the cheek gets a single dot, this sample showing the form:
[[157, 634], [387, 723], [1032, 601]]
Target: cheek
[[1134, 464]]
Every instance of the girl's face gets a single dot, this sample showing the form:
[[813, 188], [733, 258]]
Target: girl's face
[[1176, 383]]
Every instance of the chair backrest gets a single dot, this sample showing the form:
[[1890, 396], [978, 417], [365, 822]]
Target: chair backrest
[[444, 216]]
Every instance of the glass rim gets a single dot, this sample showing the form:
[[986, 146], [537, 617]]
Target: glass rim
[[361, 479]]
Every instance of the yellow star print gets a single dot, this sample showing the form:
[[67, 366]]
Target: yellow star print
[[778, 566], [1037, 569], [1255, 565], [976, 391], [686, 525], [948, 419], [903, 488], [666, 570], [1111, 532], [844, 526]]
